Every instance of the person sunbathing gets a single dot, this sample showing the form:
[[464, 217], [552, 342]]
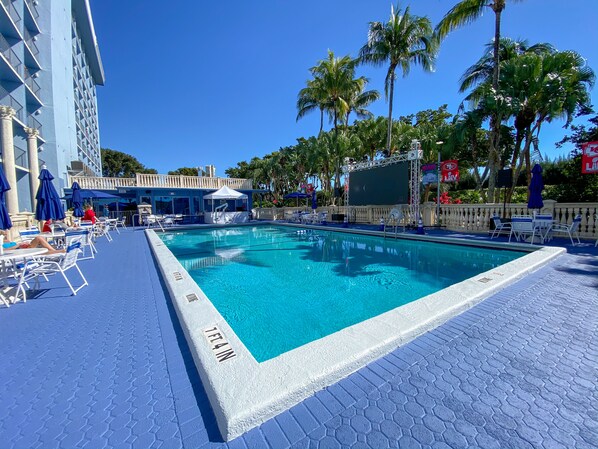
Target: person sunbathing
[[37, 242]]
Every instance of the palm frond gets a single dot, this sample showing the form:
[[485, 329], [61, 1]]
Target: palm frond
[[463, 13]]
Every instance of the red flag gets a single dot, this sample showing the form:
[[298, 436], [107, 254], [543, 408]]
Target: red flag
[[450, 171], [589, 157]]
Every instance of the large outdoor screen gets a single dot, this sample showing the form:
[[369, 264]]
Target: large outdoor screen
[[380, 186]]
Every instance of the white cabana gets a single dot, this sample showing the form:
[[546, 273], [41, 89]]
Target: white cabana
[[225, 193], [220, 214]]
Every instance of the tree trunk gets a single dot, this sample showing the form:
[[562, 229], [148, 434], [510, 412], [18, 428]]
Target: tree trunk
[[390, 97], [522, 158], [513, 165], [321, 120], [476, 170], [498, 6], [427, 192]]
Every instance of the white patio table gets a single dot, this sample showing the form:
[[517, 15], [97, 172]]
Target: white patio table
[[12, 256]]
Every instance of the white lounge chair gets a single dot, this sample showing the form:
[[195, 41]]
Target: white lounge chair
[[499, 226], [51, 264], [573, 228]]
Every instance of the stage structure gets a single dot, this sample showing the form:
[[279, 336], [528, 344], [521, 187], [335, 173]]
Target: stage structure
[[413, 156]]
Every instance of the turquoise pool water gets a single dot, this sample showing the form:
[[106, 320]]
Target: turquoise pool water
[[280, 288]]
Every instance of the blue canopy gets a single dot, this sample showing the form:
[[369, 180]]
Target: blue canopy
[[77, 200], [48, 206], [5, 222], [296, 195], [535, 189], [96, 194]]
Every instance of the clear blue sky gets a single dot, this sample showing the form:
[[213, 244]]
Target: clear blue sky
[[193, 83]]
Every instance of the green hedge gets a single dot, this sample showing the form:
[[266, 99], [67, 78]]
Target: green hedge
[[519, 196]]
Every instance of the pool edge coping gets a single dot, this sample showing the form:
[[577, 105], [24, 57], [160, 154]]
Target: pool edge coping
[[284, 381]]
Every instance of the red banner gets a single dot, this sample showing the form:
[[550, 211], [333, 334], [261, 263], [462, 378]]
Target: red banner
[[589, 158], [450, 171]]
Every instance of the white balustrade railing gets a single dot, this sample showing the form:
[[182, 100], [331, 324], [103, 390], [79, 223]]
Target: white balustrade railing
[[455, 217], [162, 181]]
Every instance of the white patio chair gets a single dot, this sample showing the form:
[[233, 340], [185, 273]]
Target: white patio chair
[[121, 222], [307, 218], [26, 235], [168, 221], [295, 217], [543, 226], [522, 226], [102, 229], [111, 224], [570, 230], [86, 242], [52, 264], [499, 226], [153, 220], [323, 217], [394, 219]]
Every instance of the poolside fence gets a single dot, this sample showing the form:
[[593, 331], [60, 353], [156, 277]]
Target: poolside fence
[[454, 217], [161, 181]]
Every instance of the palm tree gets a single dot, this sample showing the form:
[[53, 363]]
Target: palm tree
[[482, 71], [463, 13], [543, 88], [402, 41], [372, 133], [468, 133], [337, 78], [311, 98], [358, 99], [335, 90], [479, 77]]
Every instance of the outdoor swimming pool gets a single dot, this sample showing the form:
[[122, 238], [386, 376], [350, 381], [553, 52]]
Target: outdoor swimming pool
[[280, 288], [246, 315]]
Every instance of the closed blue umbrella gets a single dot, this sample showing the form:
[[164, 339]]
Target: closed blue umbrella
[[314, 200], [77, 200], [5, 222], [49, 206], [535, 189]]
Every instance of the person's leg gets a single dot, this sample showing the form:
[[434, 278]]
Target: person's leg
[[39, 242]]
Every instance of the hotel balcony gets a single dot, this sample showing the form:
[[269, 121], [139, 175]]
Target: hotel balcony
[[11, 64], [31, 51], [161, 181], [9, 20], [31, 15]]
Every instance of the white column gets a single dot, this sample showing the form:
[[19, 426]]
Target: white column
[[8, 158], [32, 134]]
